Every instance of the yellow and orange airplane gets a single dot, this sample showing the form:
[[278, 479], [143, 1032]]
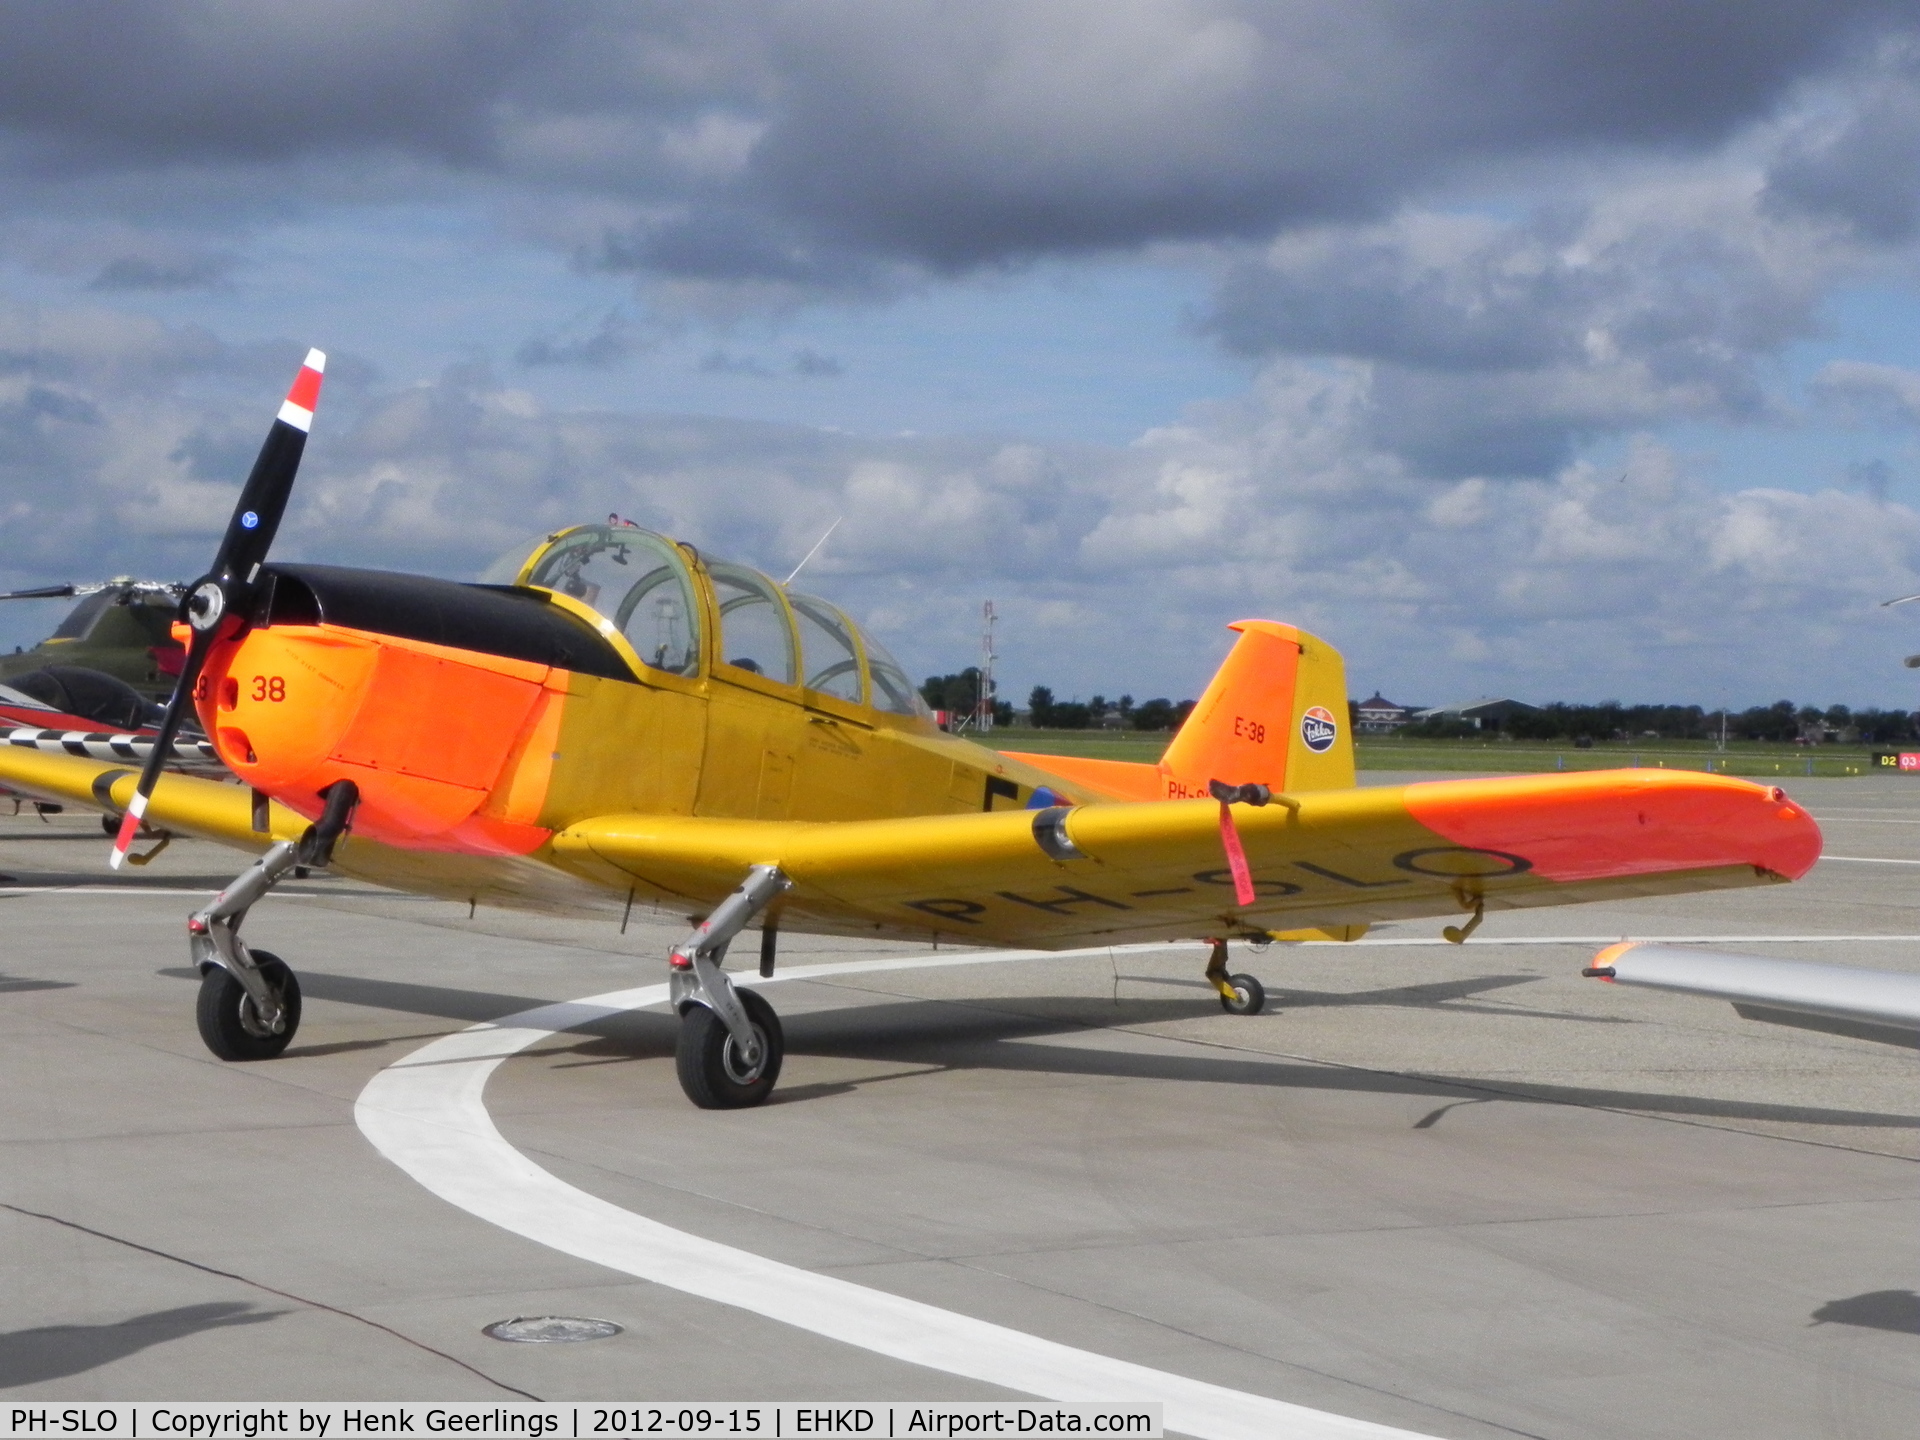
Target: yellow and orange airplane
[[630, 720]]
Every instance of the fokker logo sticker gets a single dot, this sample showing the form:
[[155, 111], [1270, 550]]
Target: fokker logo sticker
[[1317, 729]]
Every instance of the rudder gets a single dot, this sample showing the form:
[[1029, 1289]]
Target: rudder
[[1275, 714]]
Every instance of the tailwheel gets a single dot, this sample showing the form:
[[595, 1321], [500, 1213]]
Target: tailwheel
[[231, 1024], [712, 1069], [1249, 996], [1239, 994]]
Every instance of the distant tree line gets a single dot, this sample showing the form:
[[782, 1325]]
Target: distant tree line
[[960, 695], [1610, 720], [1781, 721], [1050, 714]]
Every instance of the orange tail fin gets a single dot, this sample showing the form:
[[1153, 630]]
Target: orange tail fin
[[1274, 714]]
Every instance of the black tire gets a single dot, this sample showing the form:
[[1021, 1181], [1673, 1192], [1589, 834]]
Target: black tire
[[708, 1061], [228, 1021], [1250, 996]]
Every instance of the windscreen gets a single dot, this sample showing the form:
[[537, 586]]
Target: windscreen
[[637, 580], [828, 660], [892, 691], [754, 635]]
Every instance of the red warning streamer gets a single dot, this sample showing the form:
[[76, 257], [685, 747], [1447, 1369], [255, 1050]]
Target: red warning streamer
[[1236, 857]]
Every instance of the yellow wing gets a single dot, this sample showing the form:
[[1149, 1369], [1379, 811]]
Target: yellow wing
[[1334, 860], [1122, 872]]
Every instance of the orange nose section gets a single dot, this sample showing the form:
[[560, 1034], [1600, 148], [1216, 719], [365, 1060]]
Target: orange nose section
[[424, 732]]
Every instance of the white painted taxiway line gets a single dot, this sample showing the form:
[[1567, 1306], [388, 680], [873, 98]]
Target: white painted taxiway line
[[1482, 941], [92, 890], [427, 1114]]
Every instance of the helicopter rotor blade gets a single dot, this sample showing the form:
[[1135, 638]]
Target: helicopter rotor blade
[[126, 585], [220, 600]]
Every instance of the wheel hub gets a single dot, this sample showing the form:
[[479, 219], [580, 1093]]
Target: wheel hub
[[251, 1022], [739, 1072]]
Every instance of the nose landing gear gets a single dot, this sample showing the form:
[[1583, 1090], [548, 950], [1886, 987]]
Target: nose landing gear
[[249, 1006], [233, 1025]]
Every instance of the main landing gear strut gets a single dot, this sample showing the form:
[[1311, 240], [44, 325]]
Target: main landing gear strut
[[249, 999], [730, 1044]]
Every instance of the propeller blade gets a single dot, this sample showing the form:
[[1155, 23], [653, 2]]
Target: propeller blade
[[228, 588], [263, 500], [177, 707], [44, 592]]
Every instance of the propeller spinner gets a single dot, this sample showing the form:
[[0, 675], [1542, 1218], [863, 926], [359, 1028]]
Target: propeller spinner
[[215, 602]]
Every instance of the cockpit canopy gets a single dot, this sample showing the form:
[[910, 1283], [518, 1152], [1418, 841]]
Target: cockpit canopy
[[673, 607]]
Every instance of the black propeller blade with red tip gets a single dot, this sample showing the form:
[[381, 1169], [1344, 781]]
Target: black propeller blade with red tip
[[217, 603]]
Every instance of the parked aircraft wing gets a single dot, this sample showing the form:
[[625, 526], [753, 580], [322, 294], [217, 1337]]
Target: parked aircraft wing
[[187, 804], [1840, 999], [110, 745], [1066, 876]]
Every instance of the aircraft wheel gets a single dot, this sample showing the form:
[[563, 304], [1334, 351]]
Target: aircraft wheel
[[229, 1023], [709, 1062], [1249, 996]]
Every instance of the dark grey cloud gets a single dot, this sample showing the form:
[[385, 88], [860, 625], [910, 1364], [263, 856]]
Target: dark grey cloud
[[97, 82], [613, 340], [722, 362], [811, 143], [1500, 346], [810, 364], [1861, 392], [137, 272], [1858, 161], [968, 135]]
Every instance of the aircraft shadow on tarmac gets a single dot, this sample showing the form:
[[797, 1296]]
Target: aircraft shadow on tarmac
[[987, 1033], [53, 1352], [14, 984], [1897, 1310], [1421, 997]]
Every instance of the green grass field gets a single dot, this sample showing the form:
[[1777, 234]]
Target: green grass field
[[1756, 759]]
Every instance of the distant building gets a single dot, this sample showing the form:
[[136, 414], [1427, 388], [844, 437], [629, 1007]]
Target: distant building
[[1379, 716], [1483, 714]]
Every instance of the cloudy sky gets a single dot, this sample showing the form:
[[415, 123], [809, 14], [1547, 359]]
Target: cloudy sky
[[1562, 351]]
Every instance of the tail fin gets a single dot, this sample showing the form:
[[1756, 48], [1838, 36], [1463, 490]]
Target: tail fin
[[1275, 714]]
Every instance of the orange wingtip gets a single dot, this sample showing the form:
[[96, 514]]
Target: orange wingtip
[[1613, 953], [1611, 823]]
